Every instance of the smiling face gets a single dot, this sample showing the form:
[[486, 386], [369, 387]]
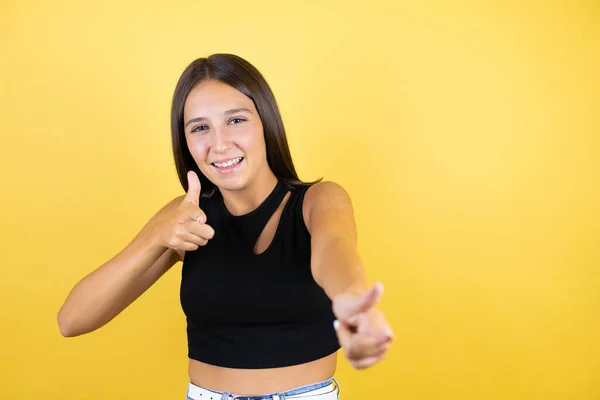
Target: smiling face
[[224, 135]]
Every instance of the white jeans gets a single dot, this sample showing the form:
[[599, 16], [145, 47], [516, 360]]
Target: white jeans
[[326, 390]]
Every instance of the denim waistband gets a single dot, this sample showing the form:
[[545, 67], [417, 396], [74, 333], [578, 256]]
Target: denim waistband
[[281, 395]]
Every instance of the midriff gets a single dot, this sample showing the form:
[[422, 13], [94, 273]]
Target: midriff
[[261, 381]]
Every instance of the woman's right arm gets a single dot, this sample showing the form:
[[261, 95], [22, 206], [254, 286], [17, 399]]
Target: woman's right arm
[[105, 292]]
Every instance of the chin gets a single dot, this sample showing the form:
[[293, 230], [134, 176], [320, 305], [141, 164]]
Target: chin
[[230, 184]]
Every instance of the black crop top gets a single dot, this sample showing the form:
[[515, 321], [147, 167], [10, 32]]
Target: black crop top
[[247, 310]]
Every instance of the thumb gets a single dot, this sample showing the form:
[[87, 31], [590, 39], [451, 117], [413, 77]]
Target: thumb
[[370, 298], [351, 305], [193, 192]]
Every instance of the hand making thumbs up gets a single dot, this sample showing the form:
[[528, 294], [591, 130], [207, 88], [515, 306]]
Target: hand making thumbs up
[[185, 228], [362, 330]]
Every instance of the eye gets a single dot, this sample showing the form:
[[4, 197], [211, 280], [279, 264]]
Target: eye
[[197, 128], [237, 119]]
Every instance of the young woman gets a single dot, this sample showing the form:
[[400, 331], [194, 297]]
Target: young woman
[[272, 284]]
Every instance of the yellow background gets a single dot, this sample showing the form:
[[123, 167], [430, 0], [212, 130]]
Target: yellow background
[[467, 133]]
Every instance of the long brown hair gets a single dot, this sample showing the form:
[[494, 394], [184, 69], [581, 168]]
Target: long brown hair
[[243, 76]]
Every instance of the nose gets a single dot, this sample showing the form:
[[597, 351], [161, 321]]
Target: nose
[[221, 142]]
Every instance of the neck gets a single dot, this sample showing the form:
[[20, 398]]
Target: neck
[[246, 200]]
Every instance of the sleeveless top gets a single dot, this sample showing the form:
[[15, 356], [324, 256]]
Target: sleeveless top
[[248, 310]]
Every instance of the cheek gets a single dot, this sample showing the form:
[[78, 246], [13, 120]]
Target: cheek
[[198, 149], [252, 140]]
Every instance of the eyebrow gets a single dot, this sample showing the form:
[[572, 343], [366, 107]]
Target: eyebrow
[[228, 112]]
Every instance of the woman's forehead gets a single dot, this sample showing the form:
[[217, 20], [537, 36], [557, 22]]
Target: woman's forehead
[[215, 97]]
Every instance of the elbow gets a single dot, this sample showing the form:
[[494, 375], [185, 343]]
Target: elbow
[[66, 332], [66, 326], [74, 324]]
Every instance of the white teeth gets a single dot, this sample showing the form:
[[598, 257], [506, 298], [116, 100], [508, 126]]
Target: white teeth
[[228, 163]]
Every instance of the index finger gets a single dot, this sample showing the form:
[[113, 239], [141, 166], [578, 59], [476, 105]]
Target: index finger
[[195, 214]]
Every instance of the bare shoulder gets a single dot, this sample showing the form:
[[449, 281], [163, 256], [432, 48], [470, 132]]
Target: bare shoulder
[[323, 195], [326, 188]]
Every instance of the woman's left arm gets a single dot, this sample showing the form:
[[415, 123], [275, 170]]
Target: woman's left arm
[[336, 266], [335, 263]]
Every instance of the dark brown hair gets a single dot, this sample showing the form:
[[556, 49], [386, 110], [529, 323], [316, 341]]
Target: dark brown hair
[[243, 76]]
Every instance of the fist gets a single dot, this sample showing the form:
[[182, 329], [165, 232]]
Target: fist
[[185, 228], [363, 333]]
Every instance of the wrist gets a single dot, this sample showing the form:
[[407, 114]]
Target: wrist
[[151, 237], [354, 290], [149, 242]]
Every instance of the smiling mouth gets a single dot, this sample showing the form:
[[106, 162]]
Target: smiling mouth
[[229, 165]]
